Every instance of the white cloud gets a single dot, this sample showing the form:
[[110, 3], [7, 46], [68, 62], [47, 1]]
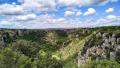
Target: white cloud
[[111, 17], [28, 9], [61, 19], [78, 13], [26, 17], [92, 2], [83, 2], [69, 13], [68, 2], [45, 21], [28, 6], [39, 5], [9, 9], [5, 23], [110, 20], [90, 11], [109, 10]]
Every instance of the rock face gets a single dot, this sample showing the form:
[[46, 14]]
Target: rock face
[[23, 32], [103, 45], [4, 38]]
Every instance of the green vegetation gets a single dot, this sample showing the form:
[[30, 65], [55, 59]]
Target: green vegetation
[[49, 49]]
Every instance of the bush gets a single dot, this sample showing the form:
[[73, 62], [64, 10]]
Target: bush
[[28, 48]]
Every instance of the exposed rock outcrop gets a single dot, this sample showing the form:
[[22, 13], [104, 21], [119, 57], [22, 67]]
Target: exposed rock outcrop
[[103, 45]]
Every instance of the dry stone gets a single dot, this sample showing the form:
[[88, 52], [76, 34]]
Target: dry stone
[[112, 55]]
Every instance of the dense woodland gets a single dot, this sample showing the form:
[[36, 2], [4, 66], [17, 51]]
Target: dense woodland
[[65, 48]]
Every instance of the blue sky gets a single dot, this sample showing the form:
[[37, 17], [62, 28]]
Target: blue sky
[[37, 14]]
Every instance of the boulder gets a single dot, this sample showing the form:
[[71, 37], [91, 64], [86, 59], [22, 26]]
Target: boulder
[[113, 41], [113, 35], [104, 56], [99, 51], [105, 35], [106, 41], [112, 55], [20, 32], [118, 40], [4, 39], [117, 47], [98, 35]]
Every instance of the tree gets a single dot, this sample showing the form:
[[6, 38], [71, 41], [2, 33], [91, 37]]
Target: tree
[[28, 48], [45, 60], [52, 38]]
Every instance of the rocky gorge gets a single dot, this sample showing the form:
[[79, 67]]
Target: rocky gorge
[[63, 48]]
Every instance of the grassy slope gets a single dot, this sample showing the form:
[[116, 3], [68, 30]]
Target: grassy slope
[[67, 54]]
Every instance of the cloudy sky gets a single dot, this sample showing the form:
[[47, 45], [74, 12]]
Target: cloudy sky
[[38, 14]]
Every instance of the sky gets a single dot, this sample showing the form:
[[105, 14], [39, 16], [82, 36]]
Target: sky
[[41, 14]]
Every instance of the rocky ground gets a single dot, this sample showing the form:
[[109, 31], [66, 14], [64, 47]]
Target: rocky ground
[[103, 45]]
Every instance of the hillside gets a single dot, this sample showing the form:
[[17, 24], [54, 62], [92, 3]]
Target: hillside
[[65, 48]]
